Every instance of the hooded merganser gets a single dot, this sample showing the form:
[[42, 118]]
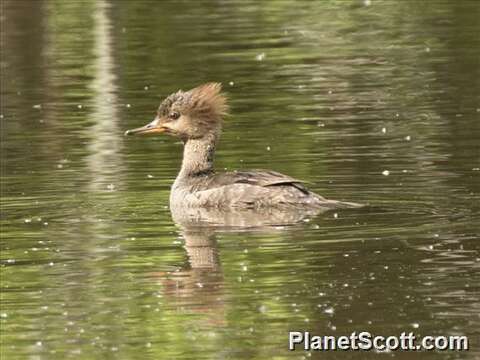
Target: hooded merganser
[[195, 116]]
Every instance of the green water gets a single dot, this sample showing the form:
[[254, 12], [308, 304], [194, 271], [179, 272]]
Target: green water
[[337, 93]]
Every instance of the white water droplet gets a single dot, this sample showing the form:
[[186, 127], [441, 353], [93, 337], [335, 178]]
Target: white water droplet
[[260, 57], [329, 310]]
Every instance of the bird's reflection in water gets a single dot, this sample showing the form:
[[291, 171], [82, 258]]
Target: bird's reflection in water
[[240, 220], [199, 286]]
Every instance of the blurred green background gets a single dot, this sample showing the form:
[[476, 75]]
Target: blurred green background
[[332, 92]]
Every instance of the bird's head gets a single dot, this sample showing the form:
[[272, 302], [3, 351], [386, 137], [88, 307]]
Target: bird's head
[[193, 114]]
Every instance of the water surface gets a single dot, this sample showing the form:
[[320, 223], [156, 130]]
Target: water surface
[[373, 102]]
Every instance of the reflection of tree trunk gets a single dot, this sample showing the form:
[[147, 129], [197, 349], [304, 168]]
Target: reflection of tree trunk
[[25, 79], [104, 161]]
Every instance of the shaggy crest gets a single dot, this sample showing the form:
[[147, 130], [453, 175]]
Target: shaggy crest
[[205, 103]]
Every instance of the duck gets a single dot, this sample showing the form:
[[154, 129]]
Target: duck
[[196, 117]]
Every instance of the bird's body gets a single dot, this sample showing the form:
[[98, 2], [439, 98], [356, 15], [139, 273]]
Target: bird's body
[[248, 189], [195, 117]]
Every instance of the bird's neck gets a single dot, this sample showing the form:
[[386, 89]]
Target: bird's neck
[[198, 156]]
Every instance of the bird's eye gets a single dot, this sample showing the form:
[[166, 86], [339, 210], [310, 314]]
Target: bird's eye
[[174, 115]]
